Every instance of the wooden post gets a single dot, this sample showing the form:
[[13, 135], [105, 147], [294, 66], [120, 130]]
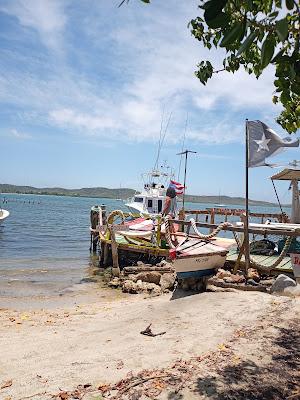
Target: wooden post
[[158, 232], [105, 254], [181, 216], [212, 218], [114, 253]]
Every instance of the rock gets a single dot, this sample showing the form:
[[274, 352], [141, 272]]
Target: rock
[[292, 291], [282, 281], [115, 282], [167, 265], [150, 277], [141, 264], [234, 279], [152, 288], [167, 281], [253, 274], [132, 277], [162, 263], [129, 287], [252, 282], [222, 273]]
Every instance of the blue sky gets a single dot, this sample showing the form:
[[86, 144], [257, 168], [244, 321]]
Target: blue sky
[[84, 86]]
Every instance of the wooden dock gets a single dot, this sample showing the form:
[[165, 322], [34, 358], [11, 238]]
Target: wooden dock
[[284, 267]]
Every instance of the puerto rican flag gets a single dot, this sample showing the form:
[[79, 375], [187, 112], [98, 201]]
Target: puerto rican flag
[[179, 188]]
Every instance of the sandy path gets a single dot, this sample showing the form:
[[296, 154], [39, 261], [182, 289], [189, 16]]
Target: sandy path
[[43, 351]]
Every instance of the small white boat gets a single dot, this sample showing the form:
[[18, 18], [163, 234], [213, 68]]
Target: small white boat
[[3, 214], [197, 258]]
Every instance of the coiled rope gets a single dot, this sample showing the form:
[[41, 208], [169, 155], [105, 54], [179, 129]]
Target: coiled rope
[[283, 253], [213, 233], [167, 234]]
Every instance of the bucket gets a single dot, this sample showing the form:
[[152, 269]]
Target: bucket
[[295, 257]]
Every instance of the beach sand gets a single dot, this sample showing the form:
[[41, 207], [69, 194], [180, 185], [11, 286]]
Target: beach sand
[[92, 337]]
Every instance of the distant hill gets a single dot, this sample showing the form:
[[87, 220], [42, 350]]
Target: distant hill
[[124, 193], [216, 200]]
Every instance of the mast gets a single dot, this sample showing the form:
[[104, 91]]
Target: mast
[[186, 152]]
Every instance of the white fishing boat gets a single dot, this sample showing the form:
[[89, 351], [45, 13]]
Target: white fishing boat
[[3, 214], [197, 257]]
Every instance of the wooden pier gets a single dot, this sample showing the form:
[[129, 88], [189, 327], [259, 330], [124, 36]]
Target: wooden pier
[[113, 239]]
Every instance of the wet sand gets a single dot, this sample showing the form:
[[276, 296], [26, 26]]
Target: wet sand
[[93, 337]]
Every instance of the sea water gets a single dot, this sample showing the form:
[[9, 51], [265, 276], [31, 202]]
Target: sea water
[[44, 243]]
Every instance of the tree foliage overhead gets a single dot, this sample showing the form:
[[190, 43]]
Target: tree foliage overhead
[[255, 33]]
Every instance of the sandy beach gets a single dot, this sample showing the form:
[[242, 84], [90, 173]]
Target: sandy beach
[[88, 345]]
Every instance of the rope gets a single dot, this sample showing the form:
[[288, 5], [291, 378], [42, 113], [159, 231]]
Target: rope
[[276, 262], [167, 234], [279, 259], [253, 262], [111, 217], [213, 233]]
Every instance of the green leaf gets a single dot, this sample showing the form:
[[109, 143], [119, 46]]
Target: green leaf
[[267, 50], [146, 1], [278, 56], [289, 4], [213, 8], [273, 14], [219, 22], [247, 43], [282, 29], [232, 35]]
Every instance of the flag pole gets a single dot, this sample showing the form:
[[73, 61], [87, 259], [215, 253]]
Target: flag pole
[[246, 221]]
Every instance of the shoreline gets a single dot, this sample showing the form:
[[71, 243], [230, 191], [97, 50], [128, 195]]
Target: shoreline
[[96, 341], [254, 203]]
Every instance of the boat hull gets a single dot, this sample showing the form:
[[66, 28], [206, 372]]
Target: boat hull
[[3, 214], [199, 263]]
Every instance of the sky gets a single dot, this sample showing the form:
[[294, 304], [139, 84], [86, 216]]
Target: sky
[[85, 87]]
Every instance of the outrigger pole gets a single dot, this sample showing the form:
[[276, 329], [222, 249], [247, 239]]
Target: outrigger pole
[[246, 222], [185, 164]]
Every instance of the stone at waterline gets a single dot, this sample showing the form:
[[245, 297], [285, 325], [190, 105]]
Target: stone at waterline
[[167, 281], [115, 282], [282, 281]]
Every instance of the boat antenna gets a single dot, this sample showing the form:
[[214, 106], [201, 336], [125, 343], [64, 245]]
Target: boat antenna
[[161, 140], [186, 152], [160, 134], [182, 147]]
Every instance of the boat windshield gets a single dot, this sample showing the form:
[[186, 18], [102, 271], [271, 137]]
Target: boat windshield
[[138, 199]]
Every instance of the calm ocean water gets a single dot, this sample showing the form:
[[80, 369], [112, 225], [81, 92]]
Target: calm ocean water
[[44, 243]]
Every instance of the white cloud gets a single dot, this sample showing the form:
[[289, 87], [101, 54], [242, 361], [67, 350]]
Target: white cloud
[[67, 117], [47, 17], [127, 72], [20, 135]]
